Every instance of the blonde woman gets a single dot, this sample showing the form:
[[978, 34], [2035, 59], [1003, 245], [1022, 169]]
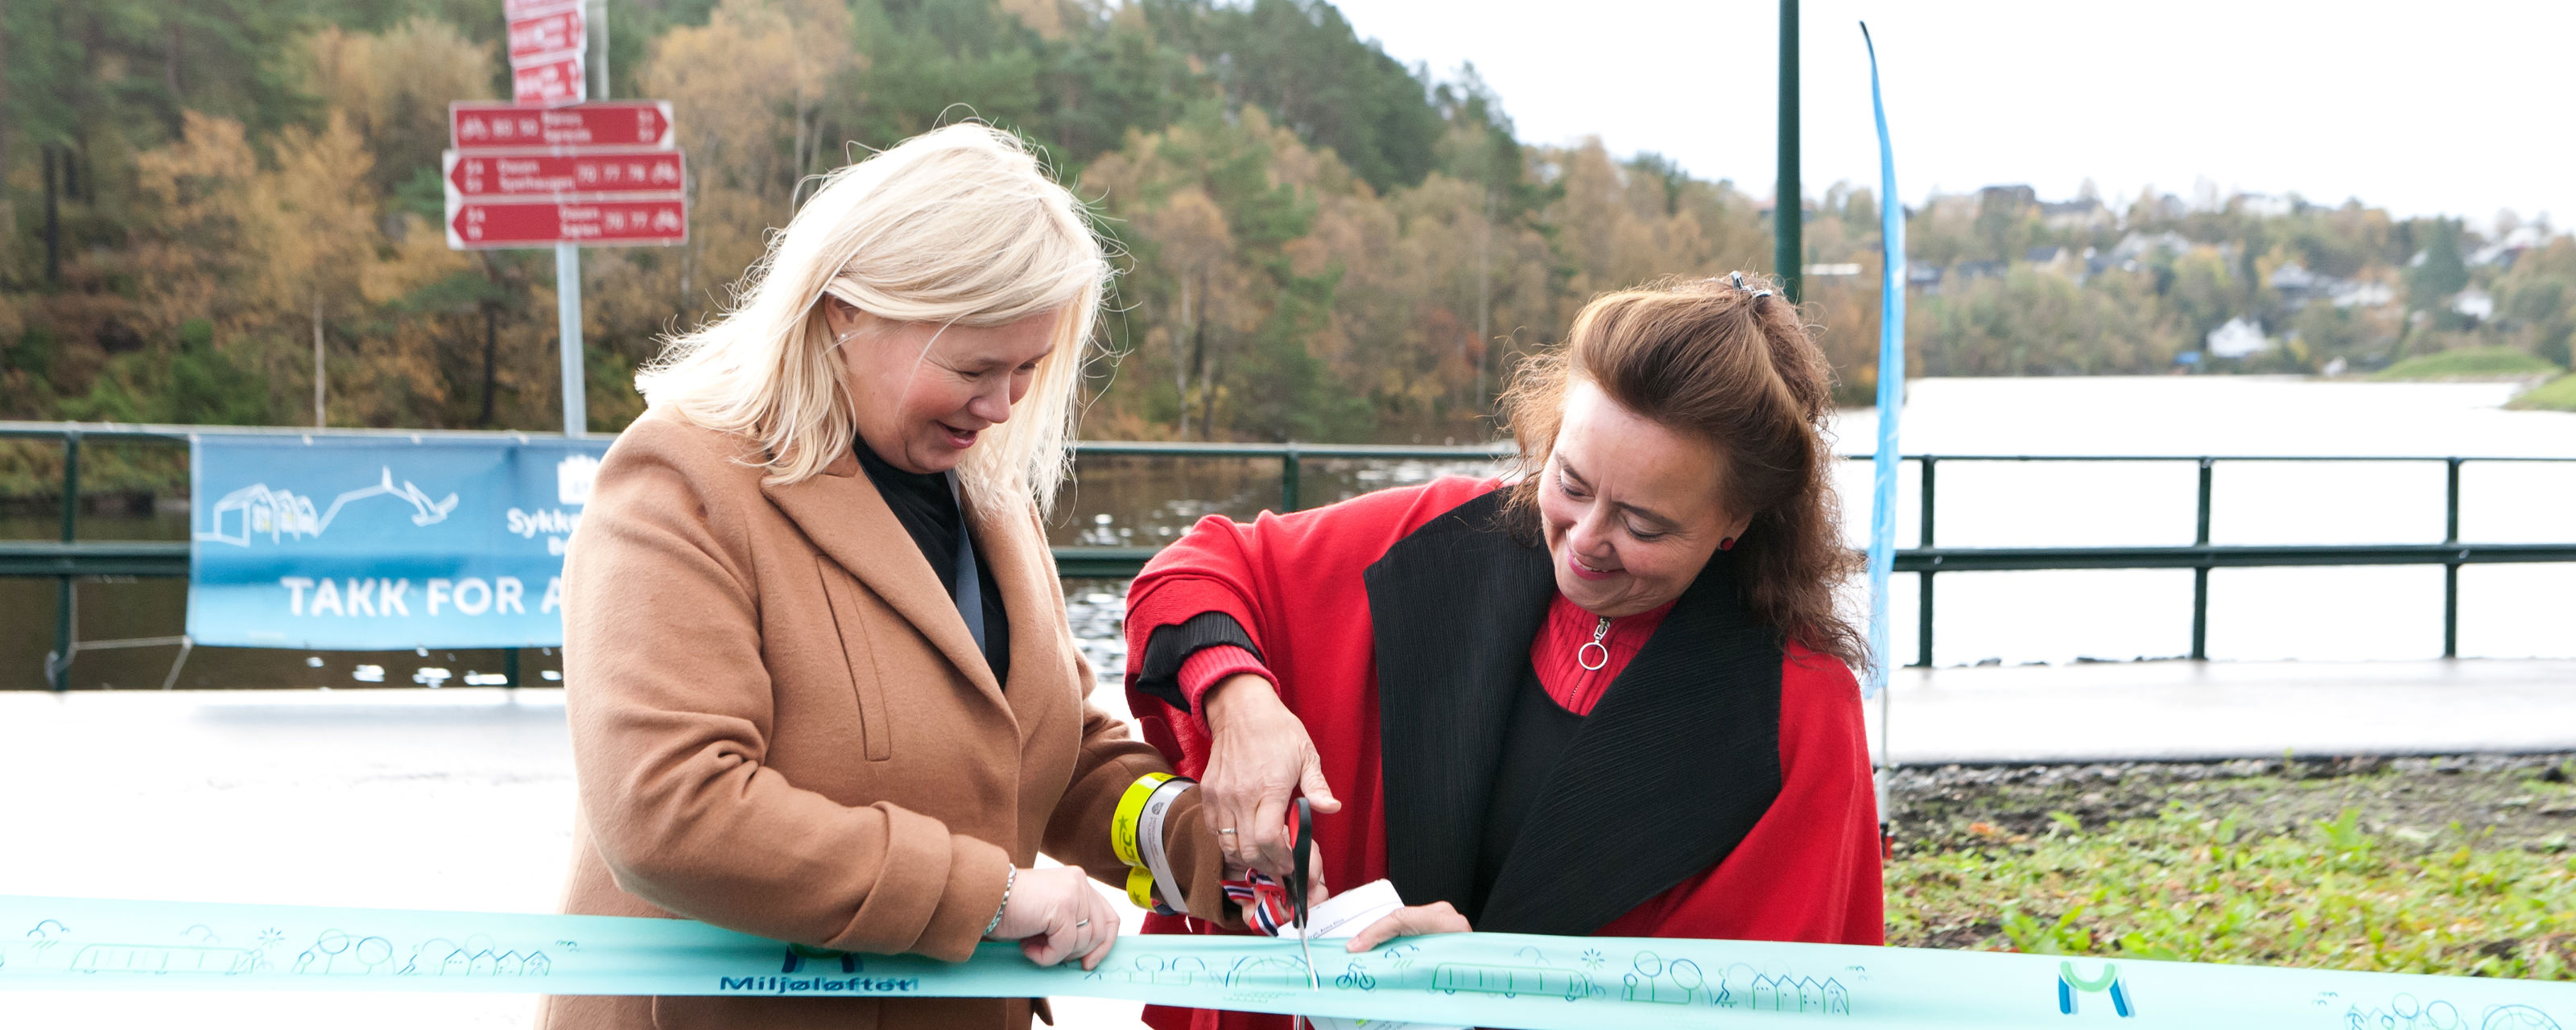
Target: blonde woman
[[817, 667]]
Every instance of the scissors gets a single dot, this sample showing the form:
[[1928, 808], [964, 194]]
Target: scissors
[[1300, 880]]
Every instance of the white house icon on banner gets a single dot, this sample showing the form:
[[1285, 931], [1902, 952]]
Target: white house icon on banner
[[573, 477]]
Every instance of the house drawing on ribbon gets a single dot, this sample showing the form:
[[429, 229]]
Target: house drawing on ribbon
[[1780, 990]]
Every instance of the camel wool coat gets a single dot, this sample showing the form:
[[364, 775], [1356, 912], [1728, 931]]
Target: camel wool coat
[[782, 726]]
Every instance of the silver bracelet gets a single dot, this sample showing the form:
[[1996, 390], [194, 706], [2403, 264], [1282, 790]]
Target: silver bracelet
[[1149, 841], [1005, 906]]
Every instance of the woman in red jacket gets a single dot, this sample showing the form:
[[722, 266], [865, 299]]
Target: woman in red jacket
[[1609, 695]]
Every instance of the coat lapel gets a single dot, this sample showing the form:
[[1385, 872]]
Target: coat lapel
[[1453, 606], [1024, 570], [841, 512], [1671, 769]]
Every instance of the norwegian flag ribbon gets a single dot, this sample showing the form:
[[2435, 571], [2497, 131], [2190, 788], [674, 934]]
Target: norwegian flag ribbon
[[1264, 901]]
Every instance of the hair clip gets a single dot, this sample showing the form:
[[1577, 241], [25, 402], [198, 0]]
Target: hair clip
[[1738, 279]]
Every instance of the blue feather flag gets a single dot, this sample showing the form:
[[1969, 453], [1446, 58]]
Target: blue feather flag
[[1891, 387]]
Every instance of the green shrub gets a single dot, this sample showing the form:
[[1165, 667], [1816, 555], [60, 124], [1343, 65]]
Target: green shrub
[[2470, 363], [2189, 885], [2555, 395]]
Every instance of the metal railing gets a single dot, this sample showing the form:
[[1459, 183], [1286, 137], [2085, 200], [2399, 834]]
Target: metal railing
[[72, 558], [1926, 559]]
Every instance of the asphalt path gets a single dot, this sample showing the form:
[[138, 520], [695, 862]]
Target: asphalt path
[[2183, 711]]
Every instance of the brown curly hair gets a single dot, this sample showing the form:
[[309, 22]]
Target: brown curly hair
[[1726, 360]]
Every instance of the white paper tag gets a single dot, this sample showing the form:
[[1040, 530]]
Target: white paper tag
[[1347, 913]]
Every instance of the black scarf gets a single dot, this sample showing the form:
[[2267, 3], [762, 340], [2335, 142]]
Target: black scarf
[[1671, 769]]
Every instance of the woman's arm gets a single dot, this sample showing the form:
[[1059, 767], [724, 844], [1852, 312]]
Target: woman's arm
[[1277, 588], [1111, 762], [1259, 757], [671, 714]]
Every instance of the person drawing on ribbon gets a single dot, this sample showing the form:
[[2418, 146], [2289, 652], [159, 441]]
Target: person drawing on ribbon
[[819, 677], [1609, 695]]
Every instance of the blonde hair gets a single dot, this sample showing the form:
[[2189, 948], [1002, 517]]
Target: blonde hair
[[956, 226]]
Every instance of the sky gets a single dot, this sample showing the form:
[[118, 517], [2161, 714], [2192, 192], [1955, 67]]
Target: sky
[[2461, 108]]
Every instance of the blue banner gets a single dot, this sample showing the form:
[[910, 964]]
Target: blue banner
[[382, 542]]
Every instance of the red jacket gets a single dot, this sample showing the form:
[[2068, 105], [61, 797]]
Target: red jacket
[[1705, 796]]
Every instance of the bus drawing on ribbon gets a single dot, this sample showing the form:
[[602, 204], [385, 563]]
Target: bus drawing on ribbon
[[1510, 981], [163, 959]]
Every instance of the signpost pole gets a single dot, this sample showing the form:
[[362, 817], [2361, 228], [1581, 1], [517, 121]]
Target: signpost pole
[[601, 89], [568, 335]]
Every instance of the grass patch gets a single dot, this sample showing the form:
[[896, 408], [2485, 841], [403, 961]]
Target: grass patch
[[2555, 395], [2470, 363], [2195, 884]]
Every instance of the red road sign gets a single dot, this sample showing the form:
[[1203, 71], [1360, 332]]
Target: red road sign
[[517, 9], [553, 32], [482, 125], [487, 224], [549, 80], [478, 175]]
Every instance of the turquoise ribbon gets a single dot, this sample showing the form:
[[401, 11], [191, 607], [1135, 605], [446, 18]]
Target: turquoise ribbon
[[1486, 979]]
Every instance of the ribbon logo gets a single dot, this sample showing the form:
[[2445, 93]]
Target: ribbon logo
[[798, 953], [2068, 983]]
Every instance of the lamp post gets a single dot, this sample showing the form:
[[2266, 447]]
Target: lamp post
[[1788, 254]]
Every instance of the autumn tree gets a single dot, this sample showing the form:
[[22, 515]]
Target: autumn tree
[[1317, 241], [746, 90], [1201, 209]]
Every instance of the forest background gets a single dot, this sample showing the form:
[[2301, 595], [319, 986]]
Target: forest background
[[1317, 241]]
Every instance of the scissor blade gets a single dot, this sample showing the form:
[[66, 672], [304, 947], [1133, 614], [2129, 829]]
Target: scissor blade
[[1312, 979]]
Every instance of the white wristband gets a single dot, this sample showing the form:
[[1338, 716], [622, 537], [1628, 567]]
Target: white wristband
[[1149, 841]]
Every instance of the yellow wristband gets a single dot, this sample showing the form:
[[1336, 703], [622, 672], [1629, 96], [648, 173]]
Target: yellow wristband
[[1140, 888], [1122, 824]]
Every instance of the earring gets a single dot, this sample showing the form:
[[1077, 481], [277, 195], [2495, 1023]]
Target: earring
[[1727, 544]]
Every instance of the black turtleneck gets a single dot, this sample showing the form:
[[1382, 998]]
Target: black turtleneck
[[921, 502]]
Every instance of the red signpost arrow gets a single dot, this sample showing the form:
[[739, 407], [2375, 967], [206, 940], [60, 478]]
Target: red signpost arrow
[[489, 224], [622, 123], [552, 32], [549, 81], [478, 176]]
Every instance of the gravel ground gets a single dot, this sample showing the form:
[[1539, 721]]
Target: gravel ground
[[2496, 800]]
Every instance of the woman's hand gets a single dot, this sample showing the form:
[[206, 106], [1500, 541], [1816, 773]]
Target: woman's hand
[[1055, 915], [1261, 758], [1436, 917]]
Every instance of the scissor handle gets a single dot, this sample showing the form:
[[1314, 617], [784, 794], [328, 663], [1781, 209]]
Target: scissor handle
[[1299, 880]]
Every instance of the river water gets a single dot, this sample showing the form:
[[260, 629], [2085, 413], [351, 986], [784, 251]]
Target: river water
[[1998, 617]]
